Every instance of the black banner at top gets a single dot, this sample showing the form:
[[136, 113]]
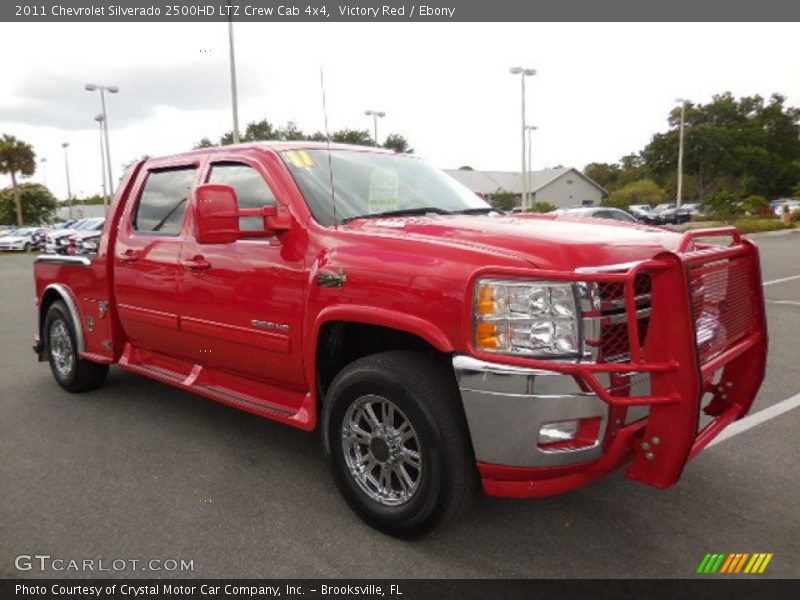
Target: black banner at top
[[403, 11]]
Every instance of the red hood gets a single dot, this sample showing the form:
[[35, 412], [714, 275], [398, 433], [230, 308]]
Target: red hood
[[547, 242]]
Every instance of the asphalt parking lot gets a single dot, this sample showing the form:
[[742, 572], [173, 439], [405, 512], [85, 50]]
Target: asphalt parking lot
[[139, 470]]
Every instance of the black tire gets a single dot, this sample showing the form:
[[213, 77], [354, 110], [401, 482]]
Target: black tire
[[424, 392], [26, 248], [72, 373]]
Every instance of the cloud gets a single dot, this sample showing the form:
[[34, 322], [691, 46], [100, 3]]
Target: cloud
[[59, 99]]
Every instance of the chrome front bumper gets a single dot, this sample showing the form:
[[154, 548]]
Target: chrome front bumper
[[506, 407]]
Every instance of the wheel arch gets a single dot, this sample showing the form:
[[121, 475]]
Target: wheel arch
[[53, 293], [342, 335]]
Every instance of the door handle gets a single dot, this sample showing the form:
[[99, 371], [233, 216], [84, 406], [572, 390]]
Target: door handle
[[197, 263], [129, 256]]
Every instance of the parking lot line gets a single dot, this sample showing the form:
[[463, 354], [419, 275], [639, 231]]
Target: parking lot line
[[761, 416], [792, 302], [781, 280]]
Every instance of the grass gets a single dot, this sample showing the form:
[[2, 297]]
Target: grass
[[756, 225]]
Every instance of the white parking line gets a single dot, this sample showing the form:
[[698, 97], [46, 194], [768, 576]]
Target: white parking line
[[792, 302], [766, 283], [750, 421]]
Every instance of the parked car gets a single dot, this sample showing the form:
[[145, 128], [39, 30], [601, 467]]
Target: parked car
[[88, 244], [596, 212], [91, 231], [640, 211], [786, 207], [17, 240], [58, 241], [674, 216], [437, 345]]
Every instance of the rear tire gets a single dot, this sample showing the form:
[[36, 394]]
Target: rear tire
[[398, 443], [72, 373]]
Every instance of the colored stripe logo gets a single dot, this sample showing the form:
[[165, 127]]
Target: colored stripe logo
[[734, 563]]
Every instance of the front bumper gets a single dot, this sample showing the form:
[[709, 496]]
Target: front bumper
[[649, 406]]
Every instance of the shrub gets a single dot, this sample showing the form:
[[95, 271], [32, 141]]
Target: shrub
[[755, 205], [722, 206], [754, 225], [542, 207]]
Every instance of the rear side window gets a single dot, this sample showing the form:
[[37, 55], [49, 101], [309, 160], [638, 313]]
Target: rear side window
[[251, 190], [163, 202]]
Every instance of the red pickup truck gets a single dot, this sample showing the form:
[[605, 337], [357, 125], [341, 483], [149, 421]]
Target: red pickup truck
[[438, 344]]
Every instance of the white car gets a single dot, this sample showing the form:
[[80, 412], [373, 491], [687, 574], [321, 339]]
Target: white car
[[19, 240], [788, 206]]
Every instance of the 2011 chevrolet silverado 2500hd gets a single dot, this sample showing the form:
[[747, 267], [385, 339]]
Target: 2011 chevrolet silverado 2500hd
[[438, 344]]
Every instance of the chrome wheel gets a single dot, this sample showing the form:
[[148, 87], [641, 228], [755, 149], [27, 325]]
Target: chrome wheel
[[61, 348], [381, 450]]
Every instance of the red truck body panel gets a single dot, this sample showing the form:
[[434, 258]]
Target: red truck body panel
[[142, 304]]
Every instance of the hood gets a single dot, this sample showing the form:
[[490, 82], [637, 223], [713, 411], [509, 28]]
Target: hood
[[547, 241]]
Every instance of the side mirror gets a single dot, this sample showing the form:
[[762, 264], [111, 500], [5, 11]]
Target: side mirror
[[216, 214]]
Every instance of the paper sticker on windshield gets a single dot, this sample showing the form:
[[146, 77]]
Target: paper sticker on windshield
[[384, 190]]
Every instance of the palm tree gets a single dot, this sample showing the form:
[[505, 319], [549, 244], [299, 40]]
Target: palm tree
[[16, 157]]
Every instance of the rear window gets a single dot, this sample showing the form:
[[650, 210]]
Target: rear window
[[163, 201]]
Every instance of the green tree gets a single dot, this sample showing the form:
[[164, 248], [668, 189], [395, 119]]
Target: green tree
[[504, 200], [745, 146], [396, 142], [359, 137], [16, 157], [644, 191], [605, 174], [203, 143], [38, 204]]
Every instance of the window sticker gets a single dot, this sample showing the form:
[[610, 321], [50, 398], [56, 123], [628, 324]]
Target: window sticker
[[306, 158], [384, 190]]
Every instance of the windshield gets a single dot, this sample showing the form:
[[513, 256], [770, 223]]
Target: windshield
[[371, 183]]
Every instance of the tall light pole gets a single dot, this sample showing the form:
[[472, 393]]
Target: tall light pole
[[234, 94], [679, 199], [530, 129], [111, 89], [43, 161], [100, 119], [65, 145], [375, 114], [523, 73]]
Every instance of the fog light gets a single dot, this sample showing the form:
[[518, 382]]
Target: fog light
[[561, 431]]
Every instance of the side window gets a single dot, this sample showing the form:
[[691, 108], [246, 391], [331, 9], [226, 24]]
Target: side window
[[251, 190], [163, 201]]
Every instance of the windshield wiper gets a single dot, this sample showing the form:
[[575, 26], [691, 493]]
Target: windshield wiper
[[403, 212], [484, 210]]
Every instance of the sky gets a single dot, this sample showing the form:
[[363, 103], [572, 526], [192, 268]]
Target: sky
[[601, 90]]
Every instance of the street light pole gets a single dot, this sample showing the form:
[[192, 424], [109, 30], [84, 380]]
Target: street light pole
[[111, 89], [65, 145], [43, 160], [375, 114], [234, 94], [530, 129], [523, 73], [680, 152], [100, 119]]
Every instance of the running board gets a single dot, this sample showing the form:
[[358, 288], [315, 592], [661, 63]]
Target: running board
[[235, 391]]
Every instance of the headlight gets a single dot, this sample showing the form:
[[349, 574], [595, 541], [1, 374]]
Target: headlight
[[531, 318]]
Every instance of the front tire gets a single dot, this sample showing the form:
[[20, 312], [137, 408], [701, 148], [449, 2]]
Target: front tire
[[398, 444], [72, 373]]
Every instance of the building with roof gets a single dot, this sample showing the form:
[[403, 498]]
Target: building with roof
[[561, 187]]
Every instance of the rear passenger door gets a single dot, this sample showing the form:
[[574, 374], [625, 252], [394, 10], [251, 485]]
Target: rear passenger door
[[242, 313], [147, 255]]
